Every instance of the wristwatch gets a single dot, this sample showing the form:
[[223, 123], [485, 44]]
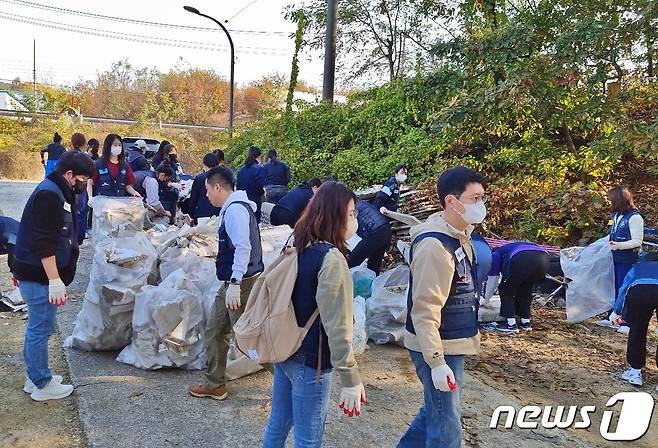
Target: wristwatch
[[235, 281]]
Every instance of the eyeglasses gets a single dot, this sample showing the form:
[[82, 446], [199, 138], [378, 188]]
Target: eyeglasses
[[477, 198]]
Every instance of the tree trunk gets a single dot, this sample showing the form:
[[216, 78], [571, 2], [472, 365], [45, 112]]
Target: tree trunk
[[648, 33], [566, 134]]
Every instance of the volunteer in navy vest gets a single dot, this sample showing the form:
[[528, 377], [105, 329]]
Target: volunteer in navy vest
[[198, 203], [442, 319], [300, 393], [150, 184], [239, 263], [388, 198], [375, 232], [626, 236], [8, 233], [519, 267], [113, 176], [251, 178], [45, 259], [78, 142], [640, 289], [136, 156], [290, 207], [277, 177], [54, 151]]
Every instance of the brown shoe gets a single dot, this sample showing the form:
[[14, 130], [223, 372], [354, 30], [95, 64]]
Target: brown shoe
[[203, 391]]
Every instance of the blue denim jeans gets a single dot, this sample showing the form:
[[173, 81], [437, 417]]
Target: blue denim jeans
[[40, 325], [438, 423], [298, 402]]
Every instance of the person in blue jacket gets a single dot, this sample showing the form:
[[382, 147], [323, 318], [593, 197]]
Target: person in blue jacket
[[522, 266], [375, 232], [277, 177], [198, 203], [54, 151], [640, 291], [8, 232], [251, 178], [389, 195], [290, 207], [484, 258]]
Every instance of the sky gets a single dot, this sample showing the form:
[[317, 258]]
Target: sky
[[260, 33]]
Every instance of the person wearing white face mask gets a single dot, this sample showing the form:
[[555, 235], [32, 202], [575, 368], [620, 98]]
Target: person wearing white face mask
[[442, 320], [388, 198], [113, 175], [301, 389]]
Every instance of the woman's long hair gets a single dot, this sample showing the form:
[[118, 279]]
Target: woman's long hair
[[160, 154], [107, 148], [252, 155], [325, 217], [621, 200]]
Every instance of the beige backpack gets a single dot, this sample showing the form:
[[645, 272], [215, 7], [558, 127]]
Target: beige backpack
[[267, 331]]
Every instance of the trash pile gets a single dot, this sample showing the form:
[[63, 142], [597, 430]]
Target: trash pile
[[13, 300], [124, 261], [386, 309]]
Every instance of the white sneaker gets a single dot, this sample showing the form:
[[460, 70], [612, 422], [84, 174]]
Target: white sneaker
[[633, 376], [624, 329], [29, 386], [52, 391]]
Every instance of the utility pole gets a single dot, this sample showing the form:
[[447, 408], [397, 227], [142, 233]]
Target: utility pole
[[330, 52]]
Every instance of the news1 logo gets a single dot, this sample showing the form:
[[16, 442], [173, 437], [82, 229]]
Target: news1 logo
[[633, 422]]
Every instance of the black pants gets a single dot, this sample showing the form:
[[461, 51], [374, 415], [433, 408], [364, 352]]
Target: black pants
[[641, 305], [282, 216], [171, 207], [372, 248], [526, 270]]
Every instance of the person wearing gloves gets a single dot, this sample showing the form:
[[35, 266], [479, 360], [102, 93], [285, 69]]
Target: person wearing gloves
[[239, 263], [626, 236], [640, 289], [442, 320], [150, 184], [375, 232], [113, 176], [301, 387], [522, 266], [388, 198], [45, 259]]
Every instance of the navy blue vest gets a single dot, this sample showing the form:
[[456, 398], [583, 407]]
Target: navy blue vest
[[226, 252], [620, 232], [23, 251], [303, 299], [140, 176], [296, 200], [108, 185], [459, 316], [370, 219]]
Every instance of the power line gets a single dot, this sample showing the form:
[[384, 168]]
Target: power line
[[142, 22], [137, 37]]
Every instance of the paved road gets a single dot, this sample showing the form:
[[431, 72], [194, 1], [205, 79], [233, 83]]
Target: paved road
[[13, 196]]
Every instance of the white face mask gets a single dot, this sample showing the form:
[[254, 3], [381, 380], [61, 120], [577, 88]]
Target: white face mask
[[116, 150], [352, 227], [474, 213], [401, 178]]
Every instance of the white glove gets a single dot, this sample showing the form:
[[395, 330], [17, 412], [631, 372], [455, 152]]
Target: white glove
[[383, 211], [613, 317], [57, 292], [233, 297], [351, 399], [492, 284], [443, 378]]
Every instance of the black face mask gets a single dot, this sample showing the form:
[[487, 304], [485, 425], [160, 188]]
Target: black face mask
[[173, 158], [80, 186]]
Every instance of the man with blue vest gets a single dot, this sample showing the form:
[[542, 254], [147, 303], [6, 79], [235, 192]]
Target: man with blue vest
[[198, 203], [151, 185], [8, 232], [388, 198], [291, 206], [239, 263], [45, 259], [442, 319], [375, 232], [639, 294]]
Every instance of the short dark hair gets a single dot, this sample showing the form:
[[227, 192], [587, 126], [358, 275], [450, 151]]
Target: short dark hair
[[220, 154], [141, 164], [272, 155], [93, 144], [455, 180], [314, 182], [78, 162], [211, 160], [401, 166], [78, 140], [221, 175], [165, 169]]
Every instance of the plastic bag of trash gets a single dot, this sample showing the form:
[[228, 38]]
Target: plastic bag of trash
[[491, 311], [116, 216], [121, 267], [360, 337], [238, 364], [362, 278], [591, 290], [386, 310], [167, 326], [272, 240], [162, 236]]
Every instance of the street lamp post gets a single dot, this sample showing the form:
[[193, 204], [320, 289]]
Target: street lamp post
[[193, 10]]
